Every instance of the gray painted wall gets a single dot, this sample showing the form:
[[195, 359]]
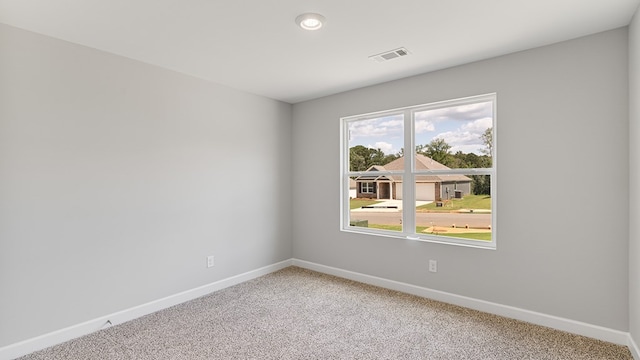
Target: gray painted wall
[[562, 115], [119, 178], [113, 187], [634, 178]]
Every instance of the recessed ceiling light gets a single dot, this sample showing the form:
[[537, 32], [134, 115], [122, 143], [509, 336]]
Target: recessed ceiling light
[[310, 21]]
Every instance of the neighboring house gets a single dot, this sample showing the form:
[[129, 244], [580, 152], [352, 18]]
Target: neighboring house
[[428, 187], [353, 193]]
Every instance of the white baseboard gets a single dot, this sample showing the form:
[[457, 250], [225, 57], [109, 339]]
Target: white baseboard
[[593, 331], [571, 326], [57, 337], [633, 347]]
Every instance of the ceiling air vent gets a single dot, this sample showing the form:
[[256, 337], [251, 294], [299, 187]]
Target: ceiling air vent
[[388, 55]]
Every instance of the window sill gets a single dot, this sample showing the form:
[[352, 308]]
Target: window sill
[[485, 245]]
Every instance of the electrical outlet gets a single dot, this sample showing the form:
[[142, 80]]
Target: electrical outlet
[[433, 266], [210, 261]]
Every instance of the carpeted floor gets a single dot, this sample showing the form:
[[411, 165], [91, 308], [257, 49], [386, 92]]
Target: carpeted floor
[[300, 314]]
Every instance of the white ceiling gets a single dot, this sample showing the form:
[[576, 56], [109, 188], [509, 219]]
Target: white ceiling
[[255, 46]]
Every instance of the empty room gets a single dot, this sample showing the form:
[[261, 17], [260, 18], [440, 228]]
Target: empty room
[[214, 179]]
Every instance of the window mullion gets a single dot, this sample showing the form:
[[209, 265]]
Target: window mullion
[[408, 178]]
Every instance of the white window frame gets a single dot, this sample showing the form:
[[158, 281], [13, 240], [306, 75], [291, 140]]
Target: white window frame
[[408, 192]]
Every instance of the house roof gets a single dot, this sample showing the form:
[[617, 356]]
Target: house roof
[[375, 177], [422, 163]]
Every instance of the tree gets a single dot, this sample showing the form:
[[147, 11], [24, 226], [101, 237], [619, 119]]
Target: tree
[[487, 140], [481, 184], [361, 158], [437, 149], [357, 161]]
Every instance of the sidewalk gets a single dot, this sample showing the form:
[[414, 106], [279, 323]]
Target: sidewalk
[[388, 206]]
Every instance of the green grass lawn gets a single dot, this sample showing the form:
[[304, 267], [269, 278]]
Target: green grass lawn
[[386, 227], [420, 229], [358, 203], [473, 236], [480, 202]]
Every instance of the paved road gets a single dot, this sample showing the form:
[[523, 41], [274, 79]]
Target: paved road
[[426, 219]]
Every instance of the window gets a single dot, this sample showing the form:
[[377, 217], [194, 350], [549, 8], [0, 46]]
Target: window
[[368, 187], [444, 191]]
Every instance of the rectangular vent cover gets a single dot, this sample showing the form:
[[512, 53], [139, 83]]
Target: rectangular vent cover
[[388, 55]]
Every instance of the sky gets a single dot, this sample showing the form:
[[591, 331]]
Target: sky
[[460, 126]]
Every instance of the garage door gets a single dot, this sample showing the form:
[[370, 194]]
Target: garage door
[[425, 192]]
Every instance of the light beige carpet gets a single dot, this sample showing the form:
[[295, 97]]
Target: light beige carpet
[[300, 314]]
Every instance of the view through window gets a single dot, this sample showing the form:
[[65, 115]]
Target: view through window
[[450, 170]]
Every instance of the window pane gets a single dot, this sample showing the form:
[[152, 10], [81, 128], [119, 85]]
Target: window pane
[[457, 136], [456, 206], [381, 209], [375, 142]]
